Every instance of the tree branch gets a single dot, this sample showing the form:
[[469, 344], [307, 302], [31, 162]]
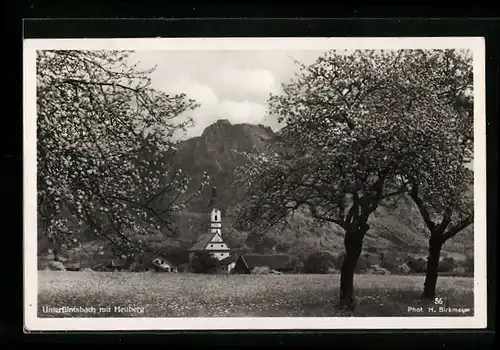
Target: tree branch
[[446, 221], [87, 82], [401, 190], [421, 207], [317, 216], [457, 228]]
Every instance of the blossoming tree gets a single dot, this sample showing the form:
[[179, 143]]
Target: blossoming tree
[[442, 178], [354, 125], [103, 149]]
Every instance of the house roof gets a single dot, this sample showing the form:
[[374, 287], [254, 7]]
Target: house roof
[[148, 257], [119, 262], [227, 261], [202, 241], [274, 262], [159, 265]]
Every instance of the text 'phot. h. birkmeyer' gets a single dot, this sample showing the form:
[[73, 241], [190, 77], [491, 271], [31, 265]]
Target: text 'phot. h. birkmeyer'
[[189, 184]]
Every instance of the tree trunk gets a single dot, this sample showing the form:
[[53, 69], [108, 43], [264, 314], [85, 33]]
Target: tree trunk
[[431, 274], [353, 245], [55, 248]]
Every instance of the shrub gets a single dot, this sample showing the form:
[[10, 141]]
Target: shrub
[[377, 270], [447, 265], [363, 264], [260, 270], [183, 268], [469, 264], [338, 260], [135, 267], [403, 269], [390, 266], [56, 265], [417, 265], [203, 262], [333, 270], [318, 262], [42, 264], [177, 255]]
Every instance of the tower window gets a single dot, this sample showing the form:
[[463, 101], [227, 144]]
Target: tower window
[[216, 218]]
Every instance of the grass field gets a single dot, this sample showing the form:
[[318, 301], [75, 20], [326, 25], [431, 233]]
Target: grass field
[[188, 295]]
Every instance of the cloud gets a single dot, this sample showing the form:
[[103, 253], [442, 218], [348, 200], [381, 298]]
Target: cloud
[[243, 111], [203, 94], [213, 108], [230, 84], [242, 84]]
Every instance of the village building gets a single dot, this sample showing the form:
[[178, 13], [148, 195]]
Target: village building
[[246, 263], [157, 262], [212, 242], [116, 265], [226, 265]]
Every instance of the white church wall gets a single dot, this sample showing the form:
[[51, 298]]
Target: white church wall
[[215, 216], [217, 246], [220, 255]]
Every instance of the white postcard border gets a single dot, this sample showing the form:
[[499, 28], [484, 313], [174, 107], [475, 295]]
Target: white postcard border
[[34, 323]]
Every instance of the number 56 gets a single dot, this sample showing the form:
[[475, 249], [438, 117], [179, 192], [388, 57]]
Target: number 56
[[438, 301]]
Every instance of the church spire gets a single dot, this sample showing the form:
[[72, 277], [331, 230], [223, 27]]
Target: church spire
[[215, 215], [213, 197]]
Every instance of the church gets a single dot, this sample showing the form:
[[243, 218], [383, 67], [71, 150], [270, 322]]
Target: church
[[212, 241]]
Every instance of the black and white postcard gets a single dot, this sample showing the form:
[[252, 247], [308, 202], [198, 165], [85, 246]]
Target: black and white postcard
[[244, 183]]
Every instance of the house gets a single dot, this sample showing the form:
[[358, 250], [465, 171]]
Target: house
[[246, 263], [157, 262], [118, 264], [227, 264], [212, 241]]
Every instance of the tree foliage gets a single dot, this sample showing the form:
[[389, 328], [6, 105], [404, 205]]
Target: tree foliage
[[103, 149], [442, 186], [356, 126], [442, 180], [203, 262]]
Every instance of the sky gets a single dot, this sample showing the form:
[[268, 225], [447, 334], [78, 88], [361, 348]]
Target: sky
[[232, 85]]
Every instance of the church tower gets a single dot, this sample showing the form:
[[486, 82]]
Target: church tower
[[215, 215], [216, 222], [212, 241]]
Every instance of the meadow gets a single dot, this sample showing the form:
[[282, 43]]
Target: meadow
[[136, 294]]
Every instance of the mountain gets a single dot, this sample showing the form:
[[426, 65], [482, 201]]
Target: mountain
[[217, 151]]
